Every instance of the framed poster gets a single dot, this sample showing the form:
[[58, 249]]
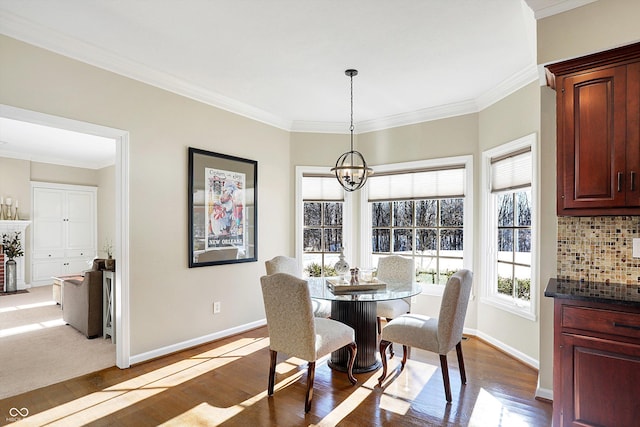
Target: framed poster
[[223, 209]]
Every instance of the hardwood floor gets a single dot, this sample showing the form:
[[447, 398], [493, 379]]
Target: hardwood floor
[[225, 383]]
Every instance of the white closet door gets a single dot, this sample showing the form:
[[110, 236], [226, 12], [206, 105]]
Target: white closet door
[[48, 222], [81, 220]]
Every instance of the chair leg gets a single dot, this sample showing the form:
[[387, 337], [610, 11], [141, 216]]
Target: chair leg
[[463, 374], [383, 356], [379, 322], [445, 376], [272, 372], [353, 350], [311, 374], [405, 354]]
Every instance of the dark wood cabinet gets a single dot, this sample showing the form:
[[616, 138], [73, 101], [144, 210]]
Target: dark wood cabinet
[[596, 364], [598, 138]]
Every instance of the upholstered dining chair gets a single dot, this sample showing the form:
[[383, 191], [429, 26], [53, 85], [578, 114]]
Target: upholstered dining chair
[[436, 335], [285, 264], [294, 330], [394, 269]]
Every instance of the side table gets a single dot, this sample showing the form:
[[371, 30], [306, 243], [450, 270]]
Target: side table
[[57, 290], [58, 294], [108, 301]]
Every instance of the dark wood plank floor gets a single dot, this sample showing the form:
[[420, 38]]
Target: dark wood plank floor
[[225, 382]]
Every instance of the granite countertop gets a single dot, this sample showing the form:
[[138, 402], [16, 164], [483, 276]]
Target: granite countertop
[[612, 293]]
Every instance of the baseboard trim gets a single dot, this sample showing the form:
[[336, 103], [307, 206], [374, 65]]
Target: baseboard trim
[[544, 394], [164, 351], [516, 354]]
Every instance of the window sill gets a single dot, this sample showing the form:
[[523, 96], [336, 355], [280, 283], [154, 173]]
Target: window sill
[[511, 307]]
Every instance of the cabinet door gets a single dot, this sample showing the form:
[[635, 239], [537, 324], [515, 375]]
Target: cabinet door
[[81, 216], [48, 219], [591, 149], [633, 134], [600, 382], [77, 265], [44, 269]]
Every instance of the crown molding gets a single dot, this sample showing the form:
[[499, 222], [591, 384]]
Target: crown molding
[[561, 7], [393, 121], [502, 90], [419, 116], [46, 38], [508, 86]]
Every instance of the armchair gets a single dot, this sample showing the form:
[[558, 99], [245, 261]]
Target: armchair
[[436, 335], [394, 269], [295, 331], [285, 264], [83, 302]]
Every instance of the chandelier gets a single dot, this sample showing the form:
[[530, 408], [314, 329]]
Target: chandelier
[[351, 169]]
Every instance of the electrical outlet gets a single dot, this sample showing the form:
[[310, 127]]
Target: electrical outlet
[[636, 248], [216, 307]]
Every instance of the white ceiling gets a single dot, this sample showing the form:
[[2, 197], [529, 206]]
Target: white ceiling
[[282, 62], [39, 143]]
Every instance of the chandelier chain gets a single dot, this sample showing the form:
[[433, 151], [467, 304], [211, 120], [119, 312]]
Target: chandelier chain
[[351, 127], [351, 169]]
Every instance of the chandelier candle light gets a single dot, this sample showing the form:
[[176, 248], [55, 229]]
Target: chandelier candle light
[[351, 169]]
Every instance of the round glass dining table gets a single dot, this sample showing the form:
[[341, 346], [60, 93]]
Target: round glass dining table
[[358, 308]]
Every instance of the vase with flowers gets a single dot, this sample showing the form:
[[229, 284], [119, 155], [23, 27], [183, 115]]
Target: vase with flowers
[[110, 263], [12, 248]]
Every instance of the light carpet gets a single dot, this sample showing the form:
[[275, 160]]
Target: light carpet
[[38, 349]]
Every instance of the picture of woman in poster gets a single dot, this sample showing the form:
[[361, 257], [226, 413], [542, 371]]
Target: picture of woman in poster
[[225, 204]]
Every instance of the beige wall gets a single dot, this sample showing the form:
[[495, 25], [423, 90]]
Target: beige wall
[[106, 208], [595, 27], [46, 172], [170, 303], [598, 26], [14, 183], [511, 118]]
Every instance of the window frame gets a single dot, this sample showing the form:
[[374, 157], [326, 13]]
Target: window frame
[[366, 257], [489, 231], [347, 209]]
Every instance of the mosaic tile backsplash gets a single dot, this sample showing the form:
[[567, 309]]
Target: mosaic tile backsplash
[[598, 249]]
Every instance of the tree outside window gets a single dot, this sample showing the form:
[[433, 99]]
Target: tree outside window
[[322, 237], [513, 211], [428, 230]]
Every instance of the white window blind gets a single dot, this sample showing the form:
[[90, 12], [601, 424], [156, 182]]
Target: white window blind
[[320, 187], [418, 184], [511, 171]]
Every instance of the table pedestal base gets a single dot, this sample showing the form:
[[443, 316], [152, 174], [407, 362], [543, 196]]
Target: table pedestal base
[[361, 316]]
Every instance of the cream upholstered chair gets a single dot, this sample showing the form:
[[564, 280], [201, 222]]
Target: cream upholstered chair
[[394, 269], [294, 330], [437, 335], [221, 254], [285, 264]]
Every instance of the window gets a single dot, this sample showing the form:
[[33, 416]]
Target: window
[[509, 231], [322, 236], [322, 205], [429, 230], [421, 210], [514, 244]]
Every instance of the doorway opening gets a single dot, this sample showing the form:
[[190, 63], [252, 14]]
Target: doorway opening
[[121, 240]]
